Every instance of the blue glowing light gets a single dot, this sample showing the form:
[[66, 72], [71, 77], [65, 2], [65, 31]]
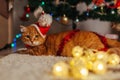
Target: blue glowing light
[[14, 39], [17, 36], [87, 13], [12, 45], [57, 19], [51, 14], [43, 3]]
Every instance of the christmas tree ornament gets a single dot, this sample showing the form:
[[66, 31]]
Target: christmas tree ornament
[[79, 72], [118, 3], [101, 55], [77, 51], [113, 59], [98, 2], [27, 9], [99, 67], [44, 22], [45, 19], [61, 69], [38, 12], [64, 20], [68, 7], [26, 15]]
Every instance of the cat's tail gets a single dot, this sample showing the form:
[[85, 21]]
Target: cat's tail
[[114, 46], [113, 43]]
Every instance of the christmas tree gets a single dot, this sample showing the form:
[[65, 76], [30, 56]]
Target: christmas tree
[[105, 10]]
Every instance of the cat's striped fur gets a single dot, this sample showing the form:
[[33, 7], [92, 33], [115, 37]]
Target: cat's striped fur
[[50, 44]]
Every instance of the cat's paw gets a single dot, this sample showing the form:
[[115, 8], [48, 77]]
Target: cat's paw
[[21, 51]]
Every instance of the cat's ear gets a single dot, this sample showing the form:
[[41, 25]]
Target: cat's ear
[[23, 28]]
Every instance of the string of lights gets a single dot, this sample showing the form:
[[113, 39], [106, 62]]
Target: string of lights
[[108, 10]]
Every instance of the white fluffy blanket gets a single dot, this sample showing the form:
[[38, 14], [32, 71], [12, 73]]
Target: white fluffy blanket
[[27, 67]]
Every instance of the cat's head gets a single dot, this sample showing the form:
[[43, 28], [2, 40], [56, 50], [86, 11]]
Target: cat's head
[[30, 36]]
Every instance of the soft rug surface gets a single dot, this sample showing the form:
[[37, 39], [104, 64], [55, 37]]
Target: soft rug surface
[[27, 67]]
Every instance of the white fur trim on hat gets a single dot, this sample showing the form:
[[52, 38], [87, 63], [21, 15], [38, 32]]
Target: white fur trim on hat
[[38, 12], [38, 30]]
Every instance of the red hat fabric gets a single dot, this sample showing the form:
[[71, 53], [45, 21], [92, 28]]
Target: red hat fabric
[[41, 29]]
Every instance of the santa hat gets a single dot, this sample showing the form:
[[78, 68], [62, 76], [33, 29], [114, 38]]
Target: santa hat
[[42, 30], [44, 22]]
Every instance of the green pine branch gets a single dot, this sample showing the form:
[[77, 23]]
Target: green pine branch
[[69, 9]]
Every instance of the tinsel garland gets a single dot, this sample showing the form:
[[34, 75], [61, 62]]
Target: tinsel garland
[[65, 40]]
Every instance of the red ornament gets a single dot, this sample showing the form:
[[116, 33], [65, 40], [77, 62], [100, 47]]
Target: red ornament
[[118, 3], [26, 12], [27, 9], [98, 2], [24, 18]]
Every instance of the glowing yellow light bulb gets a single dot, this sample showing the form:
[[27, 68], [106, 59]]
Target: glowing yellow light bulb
[[101, 55], [89, 54], [61, 69], [99, 67], [80, 72], [113, 59], [89, 65], [77, 51], [77, 61]]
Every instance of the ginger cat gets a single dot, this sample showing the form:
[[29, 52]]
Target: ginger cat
[[63, 43]]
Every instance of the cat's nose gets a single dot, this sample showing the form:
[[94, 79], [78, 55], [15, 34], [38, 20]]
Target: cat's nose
[[32, 41]]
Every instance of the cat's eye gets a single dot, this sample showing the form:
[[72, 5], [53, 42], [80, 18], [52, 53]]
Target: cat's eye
[[36, 36], [27, 36]]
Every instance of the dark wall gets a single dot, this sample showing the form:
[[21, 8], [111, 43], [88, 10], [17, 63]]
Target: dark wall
[[4, 8]]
